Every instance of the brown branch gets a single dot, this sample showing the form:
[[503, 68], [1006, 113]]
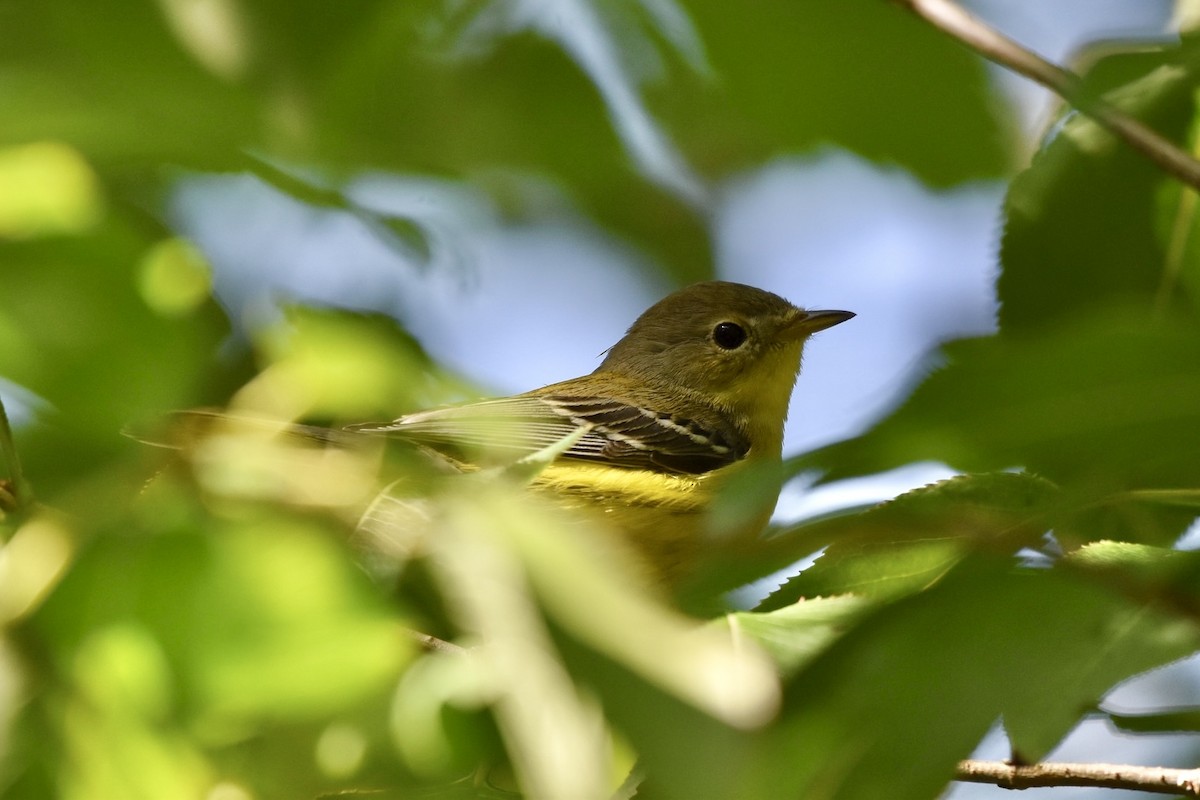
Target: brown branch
[[1161, 780], [948, 17]]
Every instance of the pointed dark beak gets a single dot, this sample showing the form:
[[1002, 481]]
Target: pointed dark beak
[[809, 322]]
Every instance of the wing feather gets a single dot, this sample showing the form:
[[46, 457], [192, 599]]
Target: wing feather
[[622, 434]]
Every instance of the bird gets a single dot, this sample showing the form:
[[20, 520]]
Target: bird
[[695, 393]]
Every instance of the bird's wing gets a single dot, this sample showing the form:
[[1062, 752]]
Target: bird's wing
[[621, 434], [641, 437]]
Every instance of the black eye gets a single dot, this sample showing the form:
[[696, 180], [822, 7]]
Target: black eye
[[729, 335]]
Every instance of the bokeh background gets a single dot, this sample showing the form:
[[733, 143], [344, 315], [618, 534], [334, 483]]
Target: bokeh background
[[512, 183]]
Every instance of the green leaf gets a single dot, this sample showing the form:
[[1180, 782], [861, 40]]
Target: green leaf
[[206, 651], [94, 74], [1125, 643], [257, 622], [113, 725], [1166, 576], [515, 572], [892, 705], [493, 60], [1082, 222], [303, 83], [77, 332], [48, 189], [1100, 404], [344, 365], [908, 543], [798, 76], [573, 574], [795, 634], [1156, 584]]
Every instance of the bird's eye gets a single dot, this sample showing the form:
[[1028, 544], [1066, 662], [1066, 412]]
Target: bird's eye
[[729, 335]]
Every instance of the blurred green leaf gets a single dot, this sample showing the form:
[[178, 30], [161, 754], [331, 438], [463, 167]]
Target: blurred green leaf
[[258, 621], [168, 650], [293, 630], [481, 568], [305, 85], [75, 331], [77, 72], [683, 753], [862, 75], [334, 364], [112, 726], [1102, 403], [1180, 498], [46, 188], [15, 492], [175, 279], [304, 82], [435, 693], [1082, 222], [497, 553], [213, 635]]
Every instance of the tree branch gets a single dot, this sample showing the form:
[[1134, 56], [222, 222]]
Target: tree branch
[[947, 16], [1161, 780]]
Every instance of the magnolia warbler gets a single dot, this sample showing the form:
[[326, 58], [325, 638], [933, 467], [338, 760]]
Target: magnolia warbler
[[695, 392]]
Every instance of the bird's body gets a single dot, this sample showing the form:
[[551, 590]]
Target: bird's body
[[695, 393]]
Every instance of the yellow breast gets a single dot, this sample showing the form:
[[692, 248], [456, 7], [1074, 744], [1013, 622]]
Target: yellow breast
[[662, 516]]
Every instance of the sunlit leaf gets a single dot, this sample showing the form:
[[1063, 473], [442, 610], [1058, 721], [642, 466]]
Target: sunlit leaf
[[46, 188], [257, 622], [113, 726], [342, 365], [1167, 576], [175, 278], [795, 634]]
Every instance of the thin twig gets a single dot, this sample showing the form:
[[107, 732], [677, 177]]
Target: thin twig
[[948, 17], [1161, 780], [432, 644]]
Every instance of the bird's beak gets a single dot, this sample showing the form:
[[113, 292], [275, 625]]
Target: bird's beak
[[806, 323]]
